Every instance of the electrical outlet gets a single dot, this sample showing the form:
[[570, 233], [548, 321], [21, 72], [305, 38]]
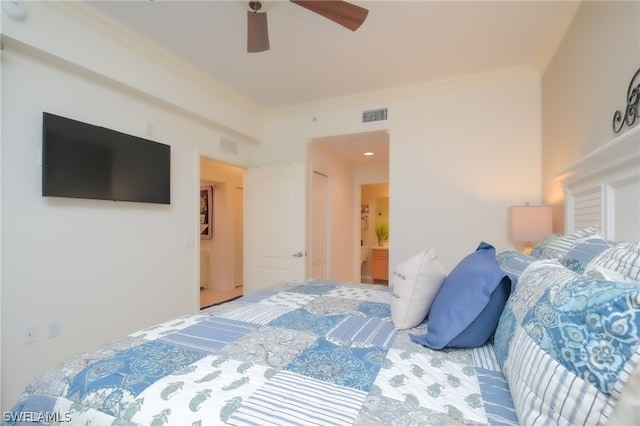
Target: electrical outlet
[[29, 334], [53, 329]]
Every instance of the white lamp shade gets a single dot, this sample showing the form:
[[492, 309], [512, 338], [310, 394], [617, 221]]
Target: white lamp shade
[[528, 224]]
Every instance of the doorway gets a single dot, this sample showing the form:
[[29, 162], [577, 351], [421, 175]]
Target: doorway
[[374, 199], [221, 247], [349, 161]]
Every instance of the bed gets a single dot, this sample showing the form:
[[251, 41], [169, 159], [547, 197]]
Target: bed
[[307, 352], [329, 353]]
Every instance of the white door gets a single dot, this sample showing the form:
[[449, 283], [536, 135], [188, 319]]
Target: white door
[[320, 199], [275, 214], [238, 212]]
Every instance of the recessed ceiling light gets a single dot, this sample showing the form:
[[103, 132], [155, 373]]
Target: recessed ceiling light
[[368, 153]]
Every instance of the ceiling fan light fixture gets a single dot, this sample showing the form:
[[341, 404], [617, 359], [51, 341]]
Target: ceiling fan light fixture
[[257, 31]]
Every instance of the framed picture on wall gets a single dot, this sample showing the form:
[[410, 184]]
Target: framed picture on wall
[[206, 211], [364, 216]]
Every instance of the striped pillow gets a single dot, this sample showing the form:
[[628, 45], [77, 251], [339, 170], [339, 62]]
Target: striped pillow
[[557, 248], [618, 263]]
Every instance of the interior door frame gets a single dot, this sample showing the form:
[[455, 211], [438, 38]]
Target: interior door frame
[[324, 230]]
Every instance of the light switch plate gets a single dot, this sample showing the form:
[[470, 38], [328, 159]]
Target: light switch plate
[[29, 334]]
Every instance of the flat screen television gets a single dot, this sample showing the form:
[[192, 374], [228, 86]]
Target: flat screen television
[[80, 160]]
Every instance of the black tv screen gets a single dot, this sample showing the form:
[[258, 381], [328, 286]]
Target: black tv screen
[[80, 160]]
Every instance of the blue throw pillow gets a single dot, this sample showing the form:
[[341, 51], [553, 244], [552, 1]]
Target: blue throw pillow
[[466, 310]]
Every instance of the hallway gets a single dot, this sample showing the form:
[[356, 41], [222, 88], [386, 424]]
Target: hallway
[[221, 243], [210, 297]]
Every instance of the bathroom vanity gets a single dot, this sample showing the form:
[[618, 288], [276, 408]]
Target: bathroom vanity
[[380, 265]]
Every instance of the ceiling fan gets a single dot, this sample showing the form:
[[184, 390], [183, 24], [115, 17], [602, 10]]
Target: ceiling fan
[[346, 14]]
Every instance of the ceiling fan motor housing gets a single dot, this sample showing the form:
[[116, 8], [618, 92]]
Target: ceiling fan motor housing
[[255, 5]]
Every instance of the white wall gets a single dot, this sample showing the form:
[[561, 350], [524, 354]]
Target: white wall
[[585, 83], [459, 159], [77, 33], [102, 269], [460, 154]]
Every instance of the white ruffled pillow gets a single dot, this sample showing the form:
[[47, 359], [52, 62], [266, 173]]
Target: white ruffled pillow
[[414, 285]]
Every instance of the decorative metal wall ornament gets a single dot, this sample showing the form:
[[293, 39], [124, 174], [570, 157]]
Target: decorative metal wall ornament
[[632, 111]]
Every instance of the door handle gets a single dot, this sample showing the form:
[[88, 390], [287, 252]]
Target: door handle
[[298, 254]]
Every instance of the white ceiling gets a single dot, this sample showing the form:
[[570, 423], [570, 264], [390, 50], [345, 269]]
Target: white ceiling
[[351, 148], [401, 43]]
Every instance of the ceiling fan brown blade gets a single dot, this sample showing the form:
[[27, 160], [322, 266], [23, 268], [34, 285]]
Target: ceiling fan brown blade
[[346, 14], [257, 32]]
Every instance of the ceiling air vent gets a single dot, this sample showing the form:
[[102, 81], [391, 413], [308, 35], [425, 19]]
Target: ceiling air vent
[[374, 115], [228, 145]]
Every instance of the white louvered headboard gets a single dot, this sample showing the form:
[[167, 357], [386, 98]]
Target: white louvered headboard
[[603, 188]]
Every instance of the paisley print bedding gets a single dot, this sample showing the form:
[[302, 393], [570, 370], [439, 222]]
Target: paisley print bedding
[[305, 352]]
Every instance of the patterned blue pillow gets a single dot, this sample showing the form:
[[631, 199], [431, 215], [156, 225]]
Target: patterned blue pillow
[[595, 330], [465, 312], [514, 263], [567, 344], [582, 253], [539, 249]]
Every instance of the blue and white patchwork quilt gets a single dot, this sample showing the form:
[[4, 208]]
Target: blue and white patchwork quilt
[[303, 353], [568, 344]]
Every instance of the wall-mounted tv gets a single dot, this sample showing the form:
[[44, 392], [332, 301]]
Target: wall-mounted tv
[[80, 160]]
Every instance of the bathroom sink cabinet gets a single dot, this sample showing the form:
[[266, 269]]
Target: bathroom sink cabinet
[[380, 265]]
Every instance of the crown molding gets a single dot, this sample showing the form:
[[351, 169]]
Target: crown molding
[[98, 21], [404, 92]]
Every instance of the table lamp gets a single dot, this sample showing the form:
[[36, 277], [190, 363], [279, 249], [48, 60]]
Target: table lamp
[[529, 224]]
